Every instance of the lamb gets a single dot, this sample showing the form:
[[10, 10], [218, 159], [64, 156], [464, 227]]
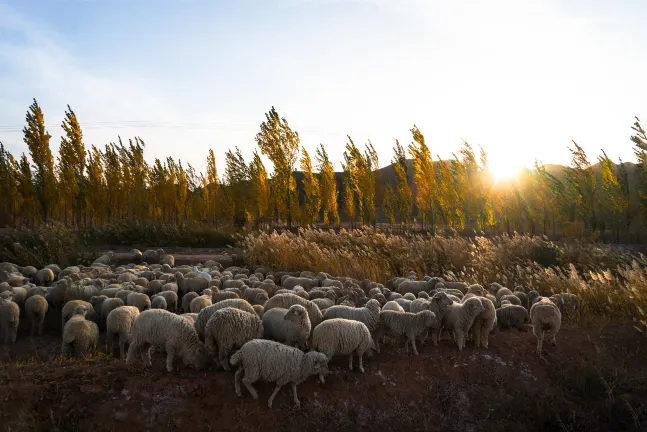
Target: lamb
[[9, 319], [119, 323], [44, 277], [171, 300], [369, 315], [512, 316], [340, 336], [139, 300], [188, 297], [36, 308], [79, 334], [255, 296], [158, 302], [68, 311], [483, 323], [458, 318], [231, 328], [511, 298], [286, 300], [290, 326], [406, 324], [392, 306], [205, 314], [159, 327], [546, 320], [186, 285], [201, 302], [274, 362]]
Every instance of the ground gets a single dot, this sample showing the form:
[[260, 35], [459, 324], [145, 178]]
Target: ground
[[594, 380]]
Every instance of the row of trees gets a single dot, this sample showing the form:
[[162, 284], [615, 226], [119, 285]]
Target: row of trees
[[92, 186]]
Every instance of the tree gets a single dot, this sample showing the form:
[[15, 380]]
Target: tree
[[390, 204], [27, 200], [260, 189], [72, 168], [212, 187], [613, 201], [311, 189], [95, 186], [8, 187], [327, 187], [640, 150], [361, 167], [424, 177], [37, 139], [237, 180], [581, 190], [280, 144], [402, 193]]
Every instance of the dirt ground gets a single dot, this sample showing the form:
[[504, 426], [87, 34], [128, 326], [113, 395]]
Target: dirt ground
[[594, 380]]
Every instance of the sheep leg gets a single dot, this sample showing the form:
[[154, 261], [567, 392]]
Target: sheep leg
[[223, 357], [146, 355], [350, 361], [170, 357], [460, 338], [294, 392], [40, 326], [276, 390], [540, 339], [64, 349], [122, 346], [239, 374], [361, 368], [413, 344], [248, 384], [477, 334], [435, 336]]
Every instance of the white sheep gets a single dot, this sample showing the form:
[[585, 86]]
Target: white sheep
[[369, 315], [187, 298], [458, 318], [190, 317], [205, 314], [512, 316], [119, 323], [9, 319], [230, 328], [171, 300], [546, 320], [406, 324], [201, 302], [307, 283], [79, 334], [199, 274], [36, 307], [256, 296], [274, 362], [340, 336], [290, 326], [159, 327], [483, 323], [44, 277], [286, 300], [139, 300], [158, 302], [392, 306], [186, 285], [68, 311]]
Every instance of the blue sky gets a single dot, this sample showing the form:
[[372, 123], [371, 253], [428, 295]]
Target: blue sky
[[522, 78]]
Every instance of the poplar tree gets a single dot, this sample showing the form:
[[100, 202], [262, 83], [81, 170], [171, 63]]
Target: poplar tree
[[212, 187], [311, 189], [327, 187], [260, 182], [71, 168], [402, 193], [424, 177]]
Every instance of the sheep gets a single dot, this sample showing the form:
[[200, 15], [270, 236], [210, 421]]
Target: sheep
[[290, 326], [201, 302], [190, 317], [406, 324], [186, 285], [476, 289], [566, 302], [523, 298], [512, 316], [323, 303], [139, 300], [230, 328], [546, 320], [307, 283], [255, 296], [502, 292], [36, 290], [28, 271], [169, 260], [483, 323], [458, 318], [108, 306], [404, 303], [423, 295], [205, 314], [151, 256], [461, 286], [158, 302], [104, 259], [260, 310], [505, 303], [274, 362], [119, 323], [392, 306], [409, 296], [36, 308], [340, 336], [9, 319], [438, 305], [188, 297], [369, 315], [44, 277], [157, 327], [413, 286], [135, 255], [171, 300], [79, 334], [511, 298], [199, 274], [286, 300], [68, 311]]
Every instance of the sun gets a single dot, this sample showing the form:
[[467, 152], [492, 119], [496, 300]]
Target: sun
[[504, 168]]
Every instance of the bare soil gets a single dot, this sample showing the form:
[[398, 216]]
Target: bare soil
[[594, 380]]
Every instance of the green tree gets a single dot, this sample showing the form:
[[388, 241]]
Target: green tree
[[237, 180], [71, 168], [402, 193], [260, 182], [311, 189], [327, 187], [37, 139], [362, 176], [424, 177]]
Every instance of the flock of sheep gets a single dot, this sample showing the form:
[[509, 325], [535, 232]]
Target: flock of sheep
[[279, 326]]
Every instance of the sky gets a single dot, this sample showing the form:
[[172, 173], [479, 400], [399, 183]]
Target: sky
[[521, 78]]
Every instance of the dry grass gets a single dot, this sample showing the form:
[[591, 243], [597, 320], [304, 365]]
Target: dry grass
[[611, 283]]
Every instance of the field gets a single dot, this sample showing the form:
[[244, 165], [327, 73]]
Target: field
[[593, 380]]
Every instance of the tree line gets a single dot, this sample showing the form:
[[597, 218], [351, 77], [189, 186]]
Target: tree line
[[93, 186]]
